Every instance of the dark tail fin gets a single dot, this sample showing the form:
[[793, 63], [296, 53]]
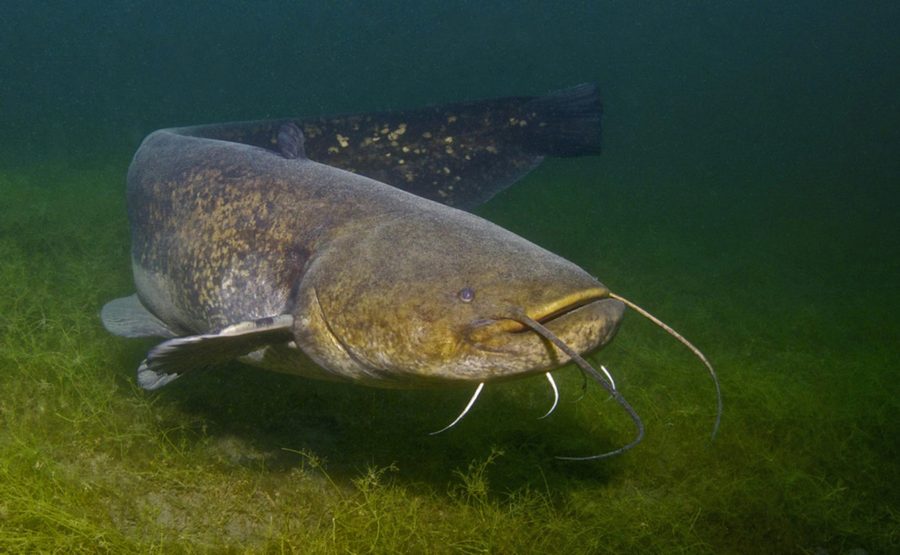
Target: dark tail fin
[[564, 123]]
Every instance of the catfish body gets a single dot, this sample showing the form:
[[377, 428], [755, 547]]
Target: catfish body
[[243, 247]]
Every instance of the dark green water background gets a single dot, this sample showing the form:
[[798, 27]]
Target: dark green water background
[[747, 194]]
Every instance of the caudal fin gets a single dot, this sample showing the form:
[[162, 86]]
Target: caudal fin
[[563, 123]]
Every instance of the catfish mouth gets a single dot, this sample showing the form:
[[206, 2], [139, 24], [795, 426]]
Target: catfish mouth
[[548, 313]]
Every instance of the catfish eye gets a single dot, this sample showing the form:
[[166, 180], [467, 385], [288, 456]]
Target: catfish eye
[[466, 294]]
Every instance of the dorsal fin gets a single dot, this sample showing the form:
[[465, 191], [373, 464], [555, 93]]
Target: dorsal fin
[[291, 141]]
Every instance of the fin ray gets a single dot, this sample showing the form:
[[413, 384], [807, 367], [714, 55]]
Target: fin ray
[[174, 357]]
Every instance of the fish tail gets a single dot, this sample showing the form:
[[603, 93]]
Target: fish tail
[[563, 123]]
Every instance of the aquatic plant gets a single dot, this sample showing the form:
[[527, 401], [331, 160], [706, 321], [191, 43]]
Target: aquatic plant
[[240, 460]]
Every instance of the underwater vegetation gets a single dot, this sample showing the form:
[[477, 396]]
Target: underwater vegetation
[[238, 460]]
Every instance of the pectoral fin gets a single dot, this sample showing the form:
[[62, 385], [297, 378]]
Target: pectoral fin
[[172, 358]]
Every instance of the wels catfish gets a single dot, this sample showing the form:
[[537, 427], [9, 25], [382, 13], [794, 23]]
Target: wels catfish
[[250, 242]]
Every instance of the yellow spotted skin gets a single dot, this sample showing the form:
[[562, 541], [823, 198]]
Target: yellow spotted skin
[[458, 154]]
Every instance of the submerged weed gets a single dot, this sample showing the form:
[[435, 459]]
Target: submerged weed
[[474, 486], [237, 461]]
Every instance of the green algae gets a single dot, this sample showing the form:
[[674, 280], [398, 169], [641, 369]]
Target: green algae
[[237, 460]]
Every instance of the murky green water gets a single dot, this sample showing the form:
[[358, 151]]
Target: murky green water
[[747, 195]]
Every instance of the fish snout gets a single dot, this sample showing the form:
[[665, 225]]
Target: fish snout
[[585, 321]]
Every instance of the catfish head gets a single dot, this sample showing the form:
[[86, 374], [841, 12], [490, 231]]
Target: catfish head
[[441, 296], [429, 298]]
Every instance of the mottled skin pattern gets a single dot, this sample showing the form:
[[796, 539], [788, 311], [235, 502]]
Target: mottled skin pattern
[[225, 232], [457, 154]]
